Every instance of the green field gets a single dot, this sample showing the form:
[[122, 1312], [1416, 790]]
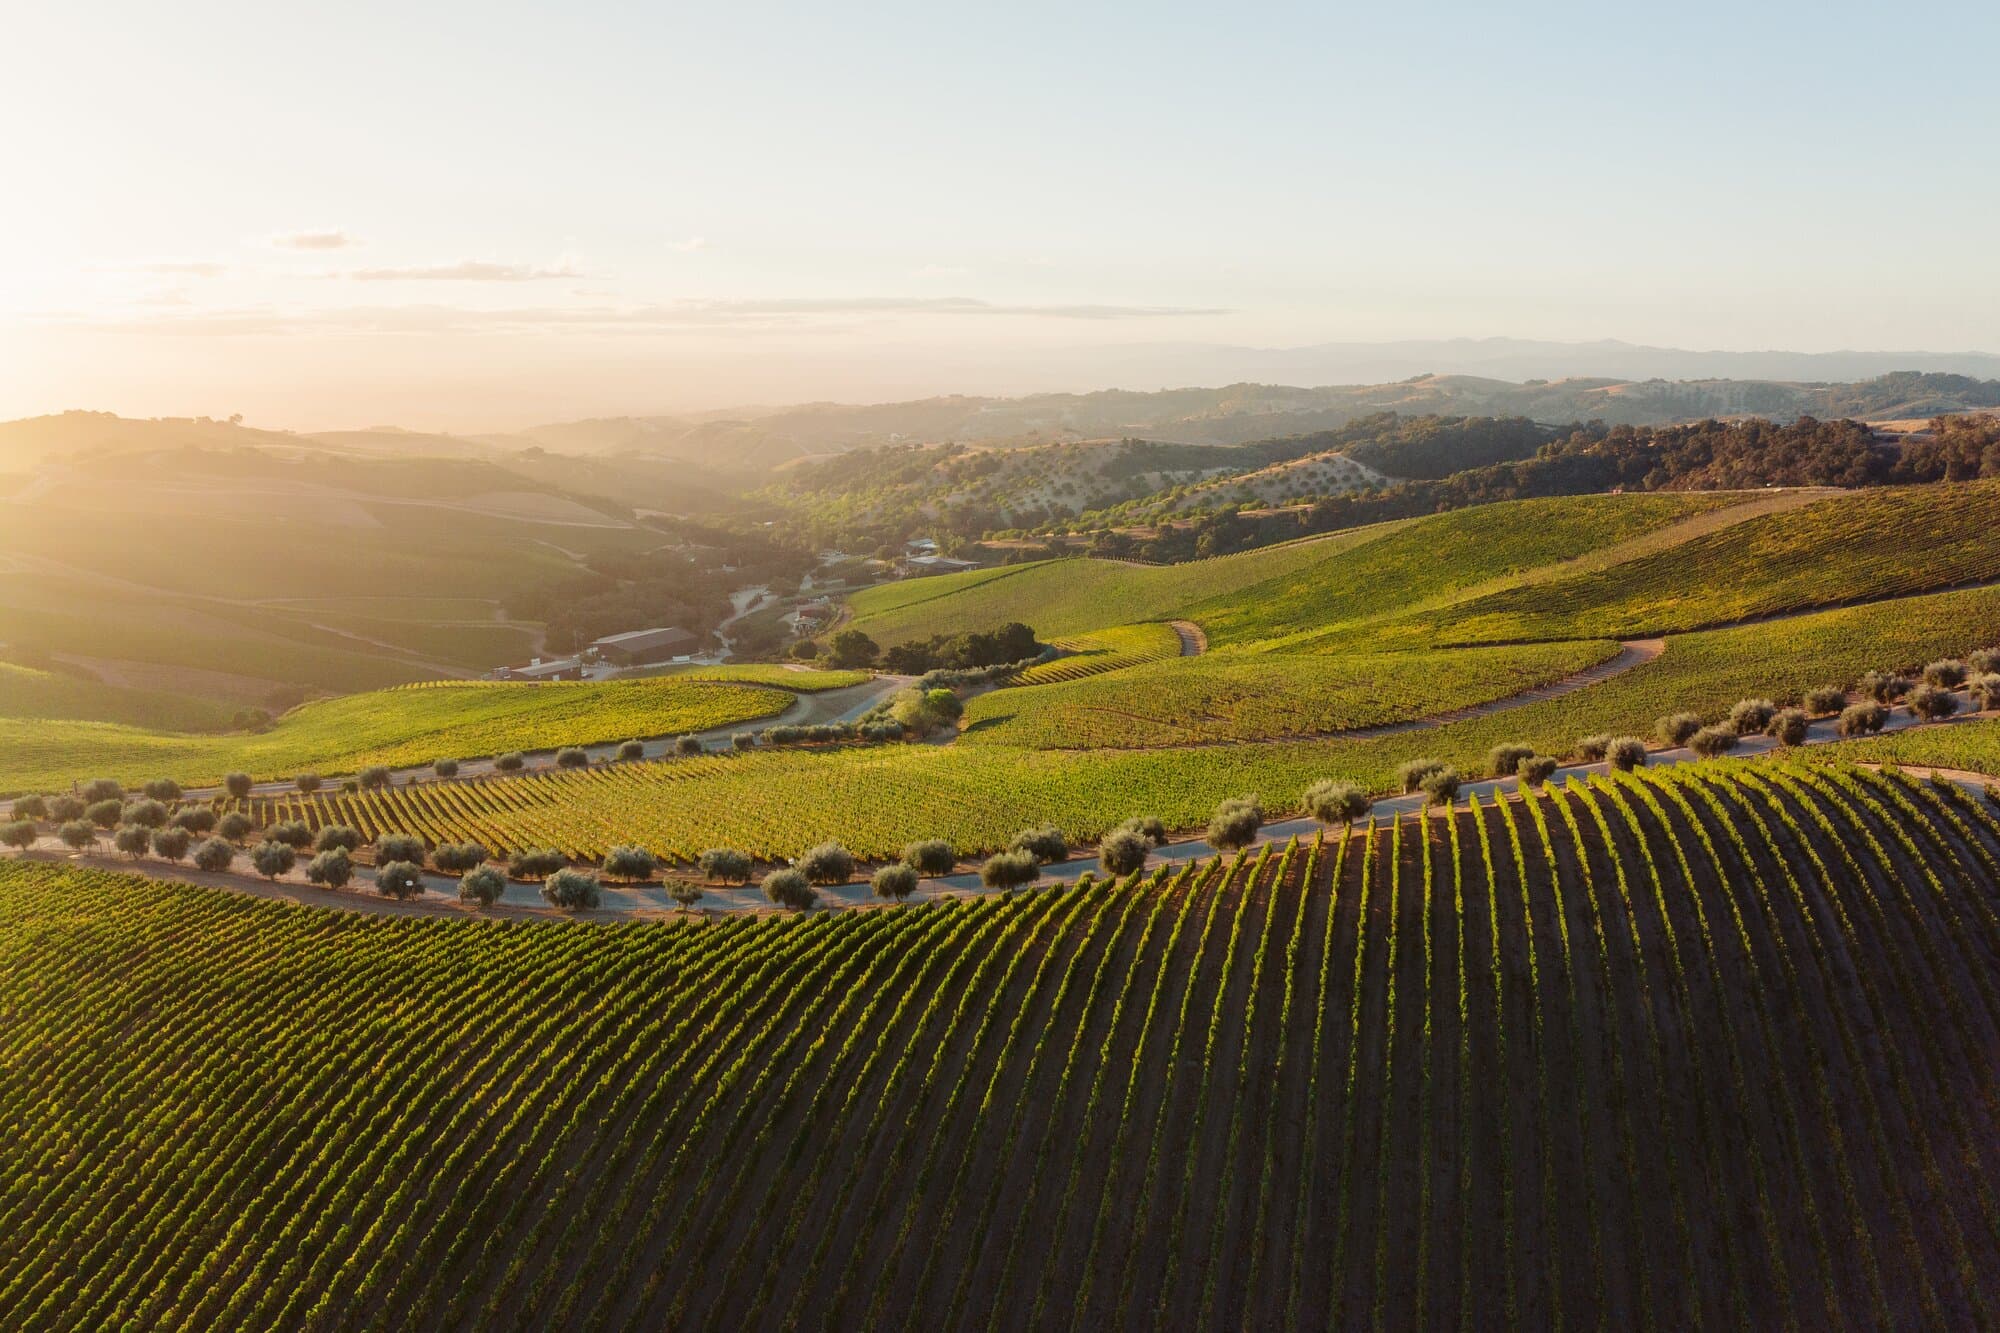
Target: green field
[[1224, 696], [1103, 650], [1701, 1049], [28, 692], [770, 673], [453, 719]]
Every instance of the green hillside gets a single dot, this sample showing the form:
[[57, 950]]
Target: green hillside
[[1699, 1049]]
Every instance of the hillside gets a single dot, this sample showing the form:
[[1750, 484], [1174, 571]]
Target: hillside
[[1706, 1046]]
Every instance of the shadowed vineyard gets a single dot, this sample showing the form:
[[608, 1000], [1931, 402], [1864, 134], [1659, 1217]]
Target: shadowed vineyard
[[1706, 1045]]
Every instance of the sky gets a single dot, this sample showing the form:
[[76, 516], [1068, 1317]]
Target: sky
[[479, 216]]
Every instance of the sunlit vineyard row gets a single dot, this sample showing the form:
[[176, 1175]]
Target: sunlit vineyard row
[[1702, 1047], [1103, 650]]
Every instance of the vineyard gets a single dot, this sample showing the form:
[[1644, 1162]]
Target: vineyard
[[1251, 696], [399, 726], [1704, 1047], [1114, 649]]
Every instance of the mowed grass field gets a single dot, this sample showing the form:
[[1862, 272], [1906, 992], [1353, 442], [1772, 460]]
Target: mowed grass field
[[1705, 1048], [976, 795], [397, 727]]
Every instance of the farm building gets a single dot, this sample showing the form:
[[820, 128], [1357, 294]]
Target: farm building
[[937, 564], [643, 647], [555, 668]]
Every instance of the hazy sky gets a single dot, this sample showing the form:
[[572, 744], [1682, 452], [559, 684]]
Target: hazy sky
[[478, 215]]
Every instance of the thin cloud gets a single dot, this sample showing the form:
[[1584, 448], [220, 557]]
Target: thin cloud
[[941, 271], [689, 245], [465, 270], [170, 268], [330, 238]]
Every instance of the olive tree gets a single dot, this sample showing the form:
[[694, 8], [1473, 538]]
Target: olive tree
[[1441, 787], [1123, 852], [399, 879], [725, 865], [1931, 702], [895, 882], [631, 863], [78, 834], [292, 833], [1710, 742], [272, 859], [148, 813], [105, 814], [511, 762], [1149, 827], [1591, 748], [62, 809], [1946, 674], [19, 834], [161, 789], [399, 847], [374, 777], [332, 868], [1235, 823], [481, 886], [196, 819], [171, 842], [1009, 870], [1749, 717], [337, 837], [1333, 802], [1045, 843], [235, 826], [1984, 688], [308, 783], [930, 858], [31, 807], [445, 768], [631, 750], [102, 789], [1410, 774], [790, 888], [1825, 701], [571, 891], [456, 858], [1675, 728], [1504, 759], [686, 894], [828, 863], [237, 785], [1788, 726], [687, 745], [216, 854], [572, 756], [535, 863], [132, 839], [1537, 771], [1862, 719], [1626, 753]]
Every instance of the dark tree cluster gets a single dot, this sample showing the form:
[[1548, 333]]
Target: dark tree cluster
[[1012, 642]]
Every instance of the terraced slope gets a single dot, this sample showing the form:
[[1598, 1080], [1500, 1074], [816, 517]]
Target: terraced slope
[[1712, 1047]]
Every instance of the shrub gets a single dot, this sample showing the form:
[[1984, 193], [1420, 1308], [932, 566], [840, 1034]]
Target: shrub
[[235, 826], [445, 768], [132, 839], [685, 893], [570, 890], [332, 868], [743, 740], [402, 879], [308, 783], [630, 863], [1984, 659], [1592, 748], [195, 819], [19, 833], [1675, 728], [337, 837], [78, 834], [31, 807], [895, 882], [171, 843], [216, 854], [1538, 770], [1750, 717], [725, 865], [1410, 774], [373, 777], [291, 832], [1046, 844], [536, 863], [481, 886], [1148, 827], [1825, 701], [1884, 688], [828, 863], [1712, 741], [456, 858], [1333, 802], [1441, 787], [1009, 870], [1123, 852], [790, 888], [149, 813], [1985, 691], [162, 789], [237, 785], [1788, 725], [1860, 719], [398, 847], [65, 808], [571, 756], [1502, 760], [1931, 702], [272, 859], [511, 762], [688, 745], [1946, 674], [1235, 823], [631, 750], [1626, 753], [102, 789], [104, 814], [931, 858]]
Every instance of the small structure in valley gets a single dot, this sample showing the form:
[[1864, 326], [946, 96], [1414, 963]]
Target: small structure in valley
[[645, 647]]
